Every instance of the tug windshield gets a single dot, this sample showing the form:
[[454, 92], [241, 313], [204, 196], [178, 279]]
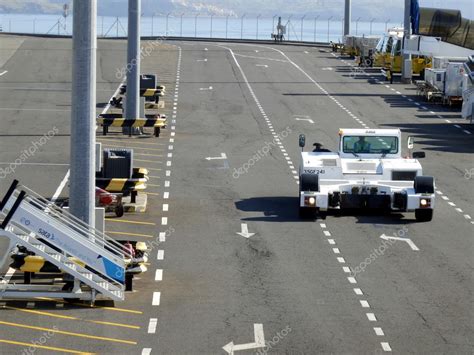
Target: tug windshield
[[370, 144]]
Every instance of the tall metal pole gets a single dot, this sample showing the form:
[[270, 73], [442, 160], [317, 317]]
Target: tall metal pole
[[258, 17], [242, 26], [406, 62], [226, 26], [302, 27], [347, 17], [315, 23], [329, 22], [83, 111], [132, 109]]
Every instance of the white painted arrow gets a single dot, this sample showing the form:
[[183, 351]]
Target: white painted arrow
[[407, 240], [206, 89], [223, 156], [202, 60], [304, 119], [262, 65], [259, 341], [245, 231]]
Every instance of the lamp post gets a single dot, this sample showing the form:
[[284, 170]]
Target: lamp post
[[226, 26], [195, 25], [288, 24], [258, 17], [371, 21], [212, 16], [329, 22], [242, 27], [273, 22], [302, 26], [167, 18], [315, 22], [357, 25]]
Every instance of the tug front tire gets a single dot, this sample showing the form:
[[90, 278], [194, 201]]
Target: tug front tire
[[424, 215]]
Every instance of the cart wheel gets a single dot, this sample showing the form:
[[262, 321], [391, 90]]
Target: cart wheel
[[119, 210], [157, 131]]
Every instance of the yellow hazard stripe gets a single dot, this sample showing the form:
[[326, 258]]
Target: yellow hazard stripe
[[149, 92], [116, 185]]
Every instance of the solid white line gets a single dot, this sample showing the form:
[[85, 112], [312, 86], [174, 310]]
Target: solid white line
[[159, 275], [160, 255], [152, 325], [61, 187], [379, 331], [386, 346], [156, 298], [371, 317]]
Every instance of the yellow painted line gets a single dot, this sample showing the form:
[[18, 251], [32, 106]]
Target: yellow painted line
[[128, 221], [54, 315], [154, 177], [11, 342], [123, 146], [79, 335], [148, 161], [149, 155], [116, 309], [131, 234]]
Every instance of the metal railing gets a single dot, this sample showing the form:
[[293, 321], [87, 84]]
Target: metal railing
[[304, 28]]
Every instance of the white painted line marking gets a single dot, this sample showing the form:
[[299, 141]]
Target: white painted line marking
[[336, 251], [327, 233], [168, 163], [467, 216], [162, 237], [364, 304], [358, 291], [170, 147], [352, 280], [331, 241], [371, 317], [341, 260], [346, 269], [160, 255], [166, 195], [446, 198], [457, 126], [152, 325], [164, 221], [386, 346], [168, 172], [3, 72], [165, 207], [459, 210], [159, 275], [156, 298], [452, 204], [146, 351], [439, 192], [379, 331], [323, 225], [466, 131], [167, 184]]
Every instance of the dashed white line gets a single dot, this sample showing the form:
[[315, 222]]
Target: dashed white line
[[371, 317], [159, 275], [156, 298], [386, 346], [379, 331], [160, 255], [364, 304], [352, 280], [152, 325], [358, 291]]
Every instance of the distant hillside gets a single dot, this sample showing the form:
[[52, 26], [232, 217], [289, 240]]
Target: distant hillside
[[30, 6]]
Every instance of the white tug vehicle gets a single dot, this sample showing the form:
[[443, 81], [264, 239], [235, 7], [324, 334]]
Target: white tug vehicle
[[368, 172]]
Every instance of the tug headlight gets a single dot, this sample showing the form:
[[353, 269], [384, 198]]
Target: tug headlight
[[425, 203], [312, 201]]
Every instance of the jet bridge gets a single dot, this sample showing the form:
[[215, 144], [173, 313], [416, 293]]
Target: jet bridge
[[93, 264]]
